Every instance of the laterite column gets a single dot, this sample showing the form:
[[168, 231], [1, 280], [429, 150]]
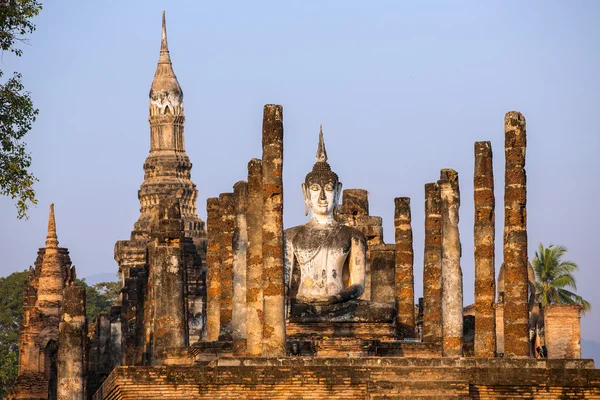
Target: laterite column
[[432, 265], [452, 286], [254, 260], [484, 235], [272, 233], [516, 311], [404, 288]]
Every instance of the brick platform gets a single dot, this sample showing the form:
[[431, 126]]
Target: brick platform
[[358, 378]]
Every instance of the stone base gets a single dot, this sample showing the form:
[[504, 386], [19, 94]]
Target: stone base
[[205, 352], [357, 378], [350, 311]]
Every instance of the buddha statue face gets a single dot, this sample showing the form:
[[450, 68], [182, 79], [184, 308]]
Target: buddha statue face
[[321, 196], [321, 188]]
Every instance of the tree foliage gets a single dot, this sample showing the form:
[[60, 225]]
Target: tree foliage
[[99, 298], [553, 276], [11, 311], [17, 113]]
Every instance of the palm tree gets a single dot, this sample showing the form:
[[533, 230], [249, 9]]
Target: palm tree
[[553, 275]]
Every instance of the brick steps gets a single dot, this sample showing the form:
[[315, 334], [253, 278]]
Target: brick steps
[[432, 389]]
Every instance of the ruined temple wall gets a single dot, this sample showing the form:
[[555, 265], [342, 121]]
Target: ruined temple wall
[[354, 212], [562, 330]]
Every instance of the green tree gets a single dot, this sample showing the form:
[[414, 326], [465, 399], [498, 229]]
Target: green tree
[[17, 113], [11, 311], [553, 276]]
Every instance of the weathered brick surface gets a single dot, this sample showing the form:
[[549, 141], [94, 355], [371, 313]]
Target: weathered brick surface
[[562, 330], [355, 378], [404, 276], [72, 344], [382, 267], [272, 232], [484, 235], [213, 276], [354, 212], [516, 312], [226, 230], [165, 323], [432, 265]]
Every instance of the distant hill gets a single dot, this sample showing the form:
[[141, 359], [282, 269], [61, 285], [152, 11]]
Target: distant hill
[[104, 277], [591, 349]]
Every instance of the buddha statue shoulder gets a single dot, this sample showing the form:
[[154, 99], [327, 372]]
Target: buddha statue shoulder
[[330, 257]]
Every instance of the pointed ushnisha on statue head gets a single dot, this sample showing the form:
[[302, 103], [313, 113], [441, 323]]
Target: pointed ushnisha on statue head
[[321, 171]]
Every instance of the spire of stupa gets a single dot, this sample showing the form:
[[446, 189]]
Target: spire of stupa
[[166, 96], [51, 238]]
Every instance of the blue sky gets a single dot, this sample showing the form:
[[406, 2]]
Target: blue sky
[[402, 89]]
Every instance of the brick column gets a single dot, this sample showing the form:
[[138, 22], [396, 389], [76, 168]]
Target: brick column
[[240, 247], [166, 277], [254, 266], [213, 265], [72, 332], [484, 234], [404, 289], [516, 311], [432, 265], [452, 286], [272, 233], [227, 217]]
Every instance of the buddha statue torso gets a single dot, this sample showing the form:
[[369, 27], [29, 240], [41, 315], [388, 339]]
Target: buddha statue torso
[[329, 256]]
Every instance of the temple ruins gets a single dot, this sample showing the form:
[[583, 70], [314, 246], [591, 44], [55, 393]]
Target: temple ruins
[[243, 306]]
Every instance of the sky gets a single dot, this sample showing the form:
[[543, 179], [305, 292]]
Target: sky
[[402, 89]]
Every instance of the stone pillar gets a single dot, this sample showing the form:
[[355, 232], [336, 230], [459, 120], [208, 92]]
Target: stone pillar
[[227, 226], [405, 290], [484, 235], [240, 248], [115, 336], [213, 265], [272, 232], [167, 328], [72, 332], [452, 286], [103, 333], [254, 260], [432, 265], [516, 311], [128, 328]]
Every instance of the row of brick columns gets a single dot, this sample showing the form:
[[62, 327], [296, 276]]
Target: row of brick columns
[[442, 276], [245, 254], [245, 285]]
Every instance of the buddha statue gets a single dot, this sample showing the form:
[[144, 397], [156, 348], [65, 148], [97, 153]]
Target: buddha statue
[[328, 258]]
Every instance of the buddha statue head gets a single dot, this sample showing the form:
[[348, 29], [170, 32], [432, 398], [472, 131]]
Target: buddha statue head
[[321, 187]]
